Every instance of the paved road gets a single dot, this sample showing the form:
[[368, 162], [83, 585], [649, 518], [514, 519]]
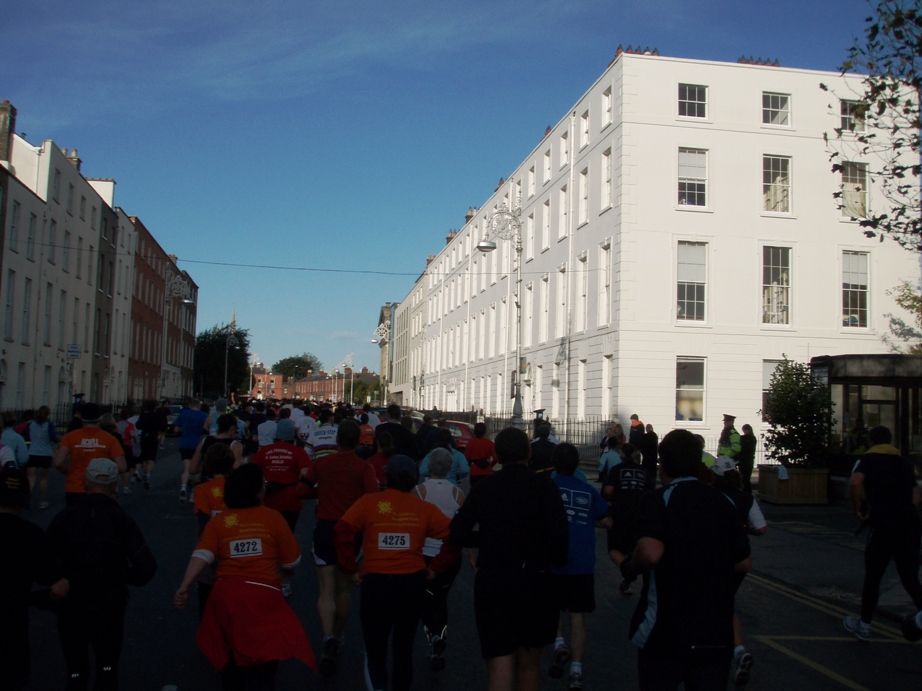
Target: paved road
[[796, 636]]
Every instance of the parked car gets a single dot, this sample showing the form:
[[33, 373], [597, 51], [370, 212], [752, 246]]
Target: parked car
[[461, 434]]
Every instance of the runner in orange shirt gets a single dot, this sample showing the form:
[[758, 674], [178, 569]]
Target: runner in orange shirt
[[80, 447], [395, 525], [248, 627]]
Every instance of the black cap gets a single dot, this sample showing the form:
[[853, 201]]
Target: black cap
[[90, 412]]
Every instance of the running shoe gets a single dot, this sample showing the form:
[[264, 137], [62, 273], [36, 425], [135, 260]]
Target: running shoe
[[43, 505], [286, 590], [561, 659], [136, 476], [191, 497], [861, 630], [147, 482], [742, 664], [182, 495], [911, 630], [328, 661], [126, 490], [576, 681]]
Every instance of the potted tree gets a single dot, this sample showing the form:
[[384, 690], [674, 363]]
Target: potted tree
[[798, 410]]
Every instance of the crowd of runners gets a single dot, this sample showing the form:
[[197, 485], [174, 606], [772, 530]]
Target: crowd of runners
[[391, 519]]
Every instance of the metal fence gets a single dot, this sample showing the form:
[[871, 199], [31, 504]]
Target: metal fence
[[62, 413]]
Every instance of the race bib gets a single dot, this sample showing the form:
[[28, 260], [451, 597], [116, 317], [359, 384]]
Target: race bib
[[393, 541], [246, 548]]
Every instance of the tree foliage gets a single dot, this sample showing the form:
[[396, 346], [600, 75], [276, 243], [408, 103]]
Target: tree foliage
[[297, 366], [211, 346], [884, 129], [905, 337], [798, 410]]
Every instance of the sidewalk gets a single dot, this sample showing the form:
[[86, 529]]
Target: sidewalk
[[815, 549]]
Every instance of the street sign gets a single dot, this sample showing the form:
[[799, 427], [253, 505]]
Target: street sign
[[73, 351]]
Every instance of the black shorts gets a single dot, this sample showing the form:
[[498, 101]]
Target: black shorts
[[575, 592], [621, 538], [131, 461], [39, 462], [514, 608], [148, 451], [324, 548], [186, 454]]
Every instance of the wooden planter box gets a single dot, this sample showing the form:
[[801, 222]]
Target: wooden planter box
[[804, 486]]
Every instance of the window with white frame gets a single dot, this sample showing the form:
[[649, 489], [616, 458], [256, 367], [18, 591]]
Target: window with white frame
[[851, 115], [56, 186], [560, 319], [693, 168], [776, 109], [30, 237], [10, 305], [689, 389], [768, 369], [26, 310], [692, 281], [531, 182], [583, 196], [70, 198], [606, 179], [65, 252], [52, 241], [604, 315], [547, 166], [546, 225], [693, 101], [776, 184], [543, 308], [854, 189], [14, 225], [776, 285], [854, 289], [562, 213], [584, 129], [530, 236], [564, 149], [606, 107]]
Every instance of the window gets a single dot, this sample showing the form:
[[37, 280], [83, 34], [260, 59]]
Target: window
[[854, 189], [46, 326], [530, 236], [768, 369], [855, 289], [89, 266], [75, 320], [9, 306], [562, 213], [693, 168], [83, 208], [531, 182], [560, 319], [546, 226], [583, 196], [30, 238], [776, 285], [776, 184], [70, 199], [564, 149], [105, 228], [52, 241], [692, 279], [547, 166], [852, 116], [606, 179], [79, 256], [689, 389], [56, 186], [14, 225], [543, 308], [776, 109], [693, 101], [26, 311], [93, 218], [582, 303], [86, 328], [584, 129], [604, 283], [65, 251], [606, 107]]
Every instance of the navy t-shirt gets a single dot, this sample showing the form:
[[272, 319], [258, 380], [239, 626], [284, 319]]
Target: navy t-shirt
[[584, 506], [686, 606]]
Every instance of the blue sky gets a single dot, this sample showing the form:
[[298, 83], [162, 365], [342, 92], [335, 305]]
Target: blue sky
[[340, 135]]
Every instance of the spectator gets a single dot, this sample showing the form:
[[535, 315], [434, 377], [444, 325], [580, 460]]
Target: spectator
[[41, 450]]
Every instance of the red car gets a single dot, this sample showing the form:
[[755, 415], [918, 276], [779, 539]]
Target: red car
[[461, 434]]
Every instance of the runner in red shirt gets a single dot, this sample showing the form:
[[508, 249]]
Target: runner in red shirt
[[283, 464], [248, 627], [341, 478], [479, 454]]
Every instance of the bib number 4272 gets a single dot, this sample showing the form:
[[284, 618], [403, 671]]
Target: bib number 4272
[[246, 548]]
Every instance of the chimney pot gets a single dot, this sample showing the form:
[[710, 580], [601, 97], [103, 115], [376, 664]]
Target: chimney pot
[[7, 129]]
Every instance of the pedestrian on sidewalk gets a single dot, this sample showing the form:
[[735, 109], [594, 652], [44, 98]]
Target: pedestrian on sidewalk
[[746, 458], [888, 482]]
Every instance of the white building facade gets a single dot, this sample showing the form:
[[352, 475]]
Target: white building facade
[[680, 236]]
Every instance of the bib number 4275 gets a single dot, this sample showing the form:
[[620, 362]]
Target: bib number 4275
[[393, 541]]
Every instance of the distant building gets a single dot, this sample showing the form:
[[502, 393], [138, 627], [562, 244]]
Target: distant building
[[679, 236]]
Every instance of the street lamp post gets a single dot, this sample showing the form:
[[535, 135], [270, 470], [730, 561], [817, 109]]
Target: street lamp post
[[231, 342], [506, 224], [175, 288], [383, 336]]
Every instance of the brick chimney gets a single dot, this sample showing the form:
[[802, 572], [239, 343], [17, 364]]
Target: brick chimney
[[7, 128], [74, 159], [469, 215]]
